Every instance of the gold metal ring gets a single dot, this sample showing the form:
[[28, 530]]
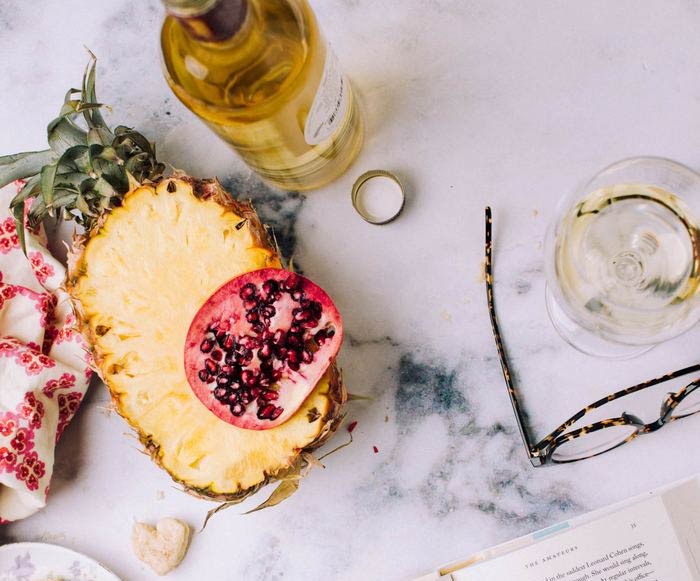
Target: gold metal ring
[[360, 207]]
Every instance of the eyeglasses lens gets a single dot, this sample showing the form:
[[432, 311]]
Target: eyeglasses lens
[[592, 443]]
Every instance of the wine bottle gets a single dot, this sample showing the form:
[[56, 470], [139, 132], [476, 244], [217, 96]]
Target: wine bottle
[[260, 74]]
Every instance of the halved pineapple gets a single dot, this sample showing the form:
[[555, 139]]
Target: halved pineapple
[[137, 279]]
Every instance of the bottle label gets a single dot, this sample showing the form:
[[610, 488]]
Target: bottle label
[[330, 103]]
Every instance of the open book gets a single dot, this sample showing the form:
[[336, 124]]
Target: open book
[[654, 537]]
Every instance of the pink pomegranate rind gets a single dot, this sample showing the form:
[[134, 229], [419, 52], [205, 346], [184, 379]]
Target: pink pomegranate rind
[[259, 345]]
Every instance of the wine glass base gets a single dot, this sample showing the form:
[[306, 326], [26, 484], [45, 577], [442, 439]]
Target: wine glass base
[[585, 341]]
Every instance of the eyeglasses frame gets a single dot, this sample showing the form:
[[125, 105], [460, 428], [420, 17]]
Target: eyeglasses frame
[[542, 452]]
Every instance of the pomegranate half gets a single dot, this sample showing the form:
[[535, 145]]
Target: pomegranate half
[[257, 347]]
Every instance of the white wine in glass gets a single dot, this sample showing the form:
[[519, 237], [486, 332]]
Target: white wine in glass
[[624, 259]]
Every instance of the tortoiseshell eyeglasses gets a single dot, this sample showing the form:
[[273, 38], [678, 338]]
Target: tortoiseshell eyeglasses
[[570, 445]]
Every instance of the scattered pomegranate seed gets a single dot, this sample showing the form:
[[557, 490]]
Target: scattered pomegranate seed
[[352, 426], [376, 450]]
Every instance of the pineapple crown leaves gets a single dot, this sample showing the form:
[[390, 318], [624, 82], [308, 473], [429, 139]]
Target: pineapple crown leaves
[[87, 169]]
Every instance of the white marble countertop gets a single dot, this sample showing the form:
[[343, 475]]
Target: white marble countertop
[[472, 102]]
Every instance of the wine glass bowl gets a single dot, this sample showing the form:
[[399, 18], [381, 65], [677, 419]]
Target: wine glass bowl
[[623, 258]]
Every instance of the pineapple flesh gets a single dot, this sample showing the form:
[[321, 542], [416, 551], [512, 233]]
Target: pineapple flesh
[[137, 280]]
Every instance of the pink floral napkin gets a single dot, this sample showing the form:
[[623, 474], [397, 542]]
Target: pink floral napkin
[[44, 369]]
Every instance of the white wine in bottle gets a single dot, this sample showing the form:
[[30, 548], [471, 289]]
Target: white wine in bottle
[[261, 75]]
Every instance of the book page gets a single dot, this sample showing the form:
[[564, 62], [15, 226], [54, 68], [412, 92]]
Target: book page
[[683, 507], [636, 543]]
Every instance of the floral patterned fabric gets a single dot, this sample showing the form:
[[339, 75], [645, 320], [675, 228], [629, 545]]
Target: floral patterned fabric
[[44, 369]]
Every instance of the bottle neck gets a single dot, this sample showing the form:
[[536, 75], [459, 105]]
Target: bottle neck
[[209, 20]]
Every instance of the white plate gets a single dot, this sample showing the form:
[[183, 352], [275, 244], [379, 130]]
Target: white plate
[[40, 561]]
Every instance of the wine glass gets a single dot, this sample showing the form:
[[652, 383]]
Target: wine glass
[[623, 258]]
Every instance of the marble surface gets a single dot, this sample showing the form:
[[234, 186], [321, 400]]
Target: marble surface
[[471, 102]]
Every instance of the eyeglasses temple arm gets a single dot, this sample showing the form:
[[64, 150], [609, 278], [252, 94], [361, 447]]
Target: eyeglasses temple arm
[[507, 375]]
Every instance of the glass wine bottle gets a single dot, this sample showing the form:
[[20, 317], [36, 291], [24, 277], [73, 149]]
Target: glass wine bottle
[[260, 74]]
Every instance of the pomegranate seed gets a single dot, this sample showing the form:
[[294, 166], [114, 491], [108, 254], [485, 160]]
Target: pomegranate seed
[[229, 343], [270, 395], [276, 414], [270, 286], [279, 338], [248, 291], [212, 366], [220, 392], [293, 357], [255, 392], [307, 356], [296, 330], [293, 366], [250, 304], [352, 426], [265, 352], [265, 412], [206, 346], [204, 375], [245, 397], [376, 450], [297, 294], [321, 337], [294, 340], [217, 355], [310, 324], [301, 315], [252, 317], [268, 311], [223, 380], [248, 377], [291, 282], [237, 409]]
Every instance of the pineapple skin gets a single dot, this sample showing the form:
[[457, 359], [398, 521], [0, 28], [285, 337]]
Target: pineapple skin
[[329, 394]]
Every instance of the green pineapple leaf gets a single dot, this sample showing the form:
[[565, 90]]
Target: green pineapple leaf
[[88, 168], [48, 175], [23, 165]]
